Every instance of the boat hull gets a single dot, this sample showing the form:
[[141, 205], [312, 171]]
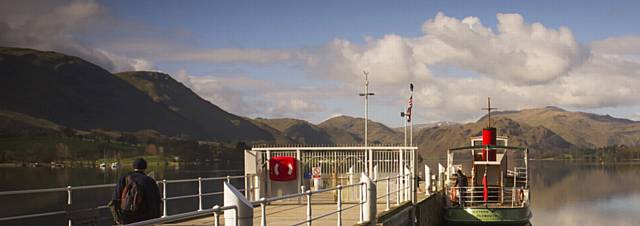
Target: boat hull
[[494, 216]]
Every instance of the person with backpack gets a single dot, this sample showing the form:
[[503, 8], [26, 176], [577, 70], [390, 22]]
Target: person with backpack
[[136, 196]]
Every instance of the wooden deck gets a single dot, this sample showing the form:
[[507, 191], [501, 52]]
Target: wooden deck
[[282, 213]]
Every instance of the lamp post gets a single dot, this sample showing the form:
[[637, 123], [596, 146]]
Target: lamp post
[[366, 95]]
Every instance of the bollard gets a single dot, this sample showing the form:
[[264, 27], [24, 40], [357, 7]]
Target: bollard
[[369, 213], [243, 215]]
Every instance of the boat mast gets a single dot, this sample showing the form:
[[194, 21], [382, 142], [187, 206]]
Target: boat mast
[[488, 108]]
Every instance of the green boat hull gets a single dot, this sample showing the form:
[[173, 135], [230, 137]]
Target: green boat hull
[[497, 216]]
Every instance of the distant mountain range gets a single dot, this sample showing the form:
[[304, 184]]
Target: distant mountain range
[[45, 92], [75, 93]]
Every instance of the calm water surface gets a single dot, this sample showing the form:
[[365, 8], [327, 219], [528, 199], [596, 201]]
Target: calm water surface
[[19, 178], [585, 194], [563, 193]]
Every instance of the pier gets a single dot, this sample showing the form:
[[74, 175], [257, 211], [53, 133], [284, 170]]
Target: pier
[[297, 186]]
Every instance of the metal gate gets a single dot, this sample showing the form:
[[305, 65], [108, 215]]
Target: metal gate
[[337, 165]]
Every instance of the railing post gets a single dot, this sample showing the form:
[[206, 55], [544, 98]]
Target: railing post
[[199, 193], [69, 203], [228, 179], [339, 205], [398, 190], [387, 198], [263, 212], [164, 198], [361, 203], [427, 180], [216, 215], [308, 207]]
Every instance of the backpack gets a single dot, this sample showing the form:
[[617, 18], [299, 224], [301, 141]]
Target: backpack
[[131, 199]]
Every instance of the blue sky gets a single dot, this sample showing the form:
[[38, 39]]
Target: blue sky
[[302, 59]]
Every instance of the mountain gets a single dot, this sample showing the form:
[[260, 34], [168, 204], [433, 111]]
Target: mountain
[[433, 142], [417, 127], [18, 124], [48, 93], [581, 129], [305, 132], [210, 119], [543, 130], [74, 93], [378, 132]]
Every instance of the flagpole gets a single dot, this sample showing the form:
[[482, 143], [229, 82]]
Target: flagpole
[[411, 126], [404, 119]]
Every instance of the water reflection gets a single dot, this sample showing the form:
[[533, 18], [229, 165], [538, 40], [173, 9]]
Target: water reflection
[[580, 193], [563, 193]]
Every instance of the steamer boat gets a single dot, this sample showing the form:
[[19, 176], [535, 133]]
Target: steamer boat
[[496, 175]]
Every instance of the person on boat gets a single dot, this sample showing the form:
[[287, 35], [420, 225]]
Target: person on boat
[[136, 196], [418, 179], [461, 184]]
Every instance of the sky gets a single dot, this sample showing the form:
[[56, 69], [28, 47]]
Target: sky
[[305, 59]]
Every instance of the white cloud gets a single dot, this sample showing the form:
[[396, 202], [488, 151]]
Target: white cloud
[[59, 29], [254, 56], [520, 65], [251, 97]]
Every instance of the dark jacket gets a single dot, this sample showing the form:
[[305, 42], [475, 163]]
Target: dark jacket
[[151, 197], [461, 180]]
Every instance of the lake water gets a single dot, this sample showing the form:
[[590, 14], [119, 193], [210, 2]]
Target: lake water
[[18, 178], [585, 194], [563, 193]]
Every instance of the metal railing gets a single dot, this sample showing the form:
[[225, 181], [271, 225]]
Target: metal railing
[[474, 195], [388, 192], [263, 204], [70, 189]]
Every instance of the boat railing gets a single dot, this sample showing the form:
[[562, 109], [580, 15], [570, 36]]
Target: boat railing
[[70, 210], [263, 204], [474, 196]]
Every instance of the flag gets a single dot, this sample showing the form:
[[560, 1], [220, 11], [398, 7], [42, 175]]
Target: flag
[[409, 108], [485, 188]]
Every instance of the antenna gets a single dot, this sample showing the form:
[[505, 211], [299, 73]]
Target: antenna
[[489, 108]]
